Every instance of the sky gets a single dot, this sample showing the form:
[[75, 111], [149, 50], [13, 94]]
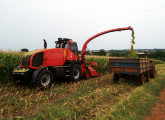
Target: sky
[[25, 23]]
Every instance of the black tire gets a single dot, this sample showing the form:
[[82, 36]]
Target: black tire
[[44, 79], [148, 76], [75, 72], [152, 70], [115, 78], [141, 79]]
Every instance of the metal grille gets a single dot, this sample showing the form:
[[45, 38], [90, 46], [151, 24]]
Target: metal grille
[[38, 59], [26, 60]]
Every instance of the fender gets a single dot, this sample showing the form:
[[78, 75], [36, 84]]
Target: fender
[[71, 63], [74, 62], [35, 73]]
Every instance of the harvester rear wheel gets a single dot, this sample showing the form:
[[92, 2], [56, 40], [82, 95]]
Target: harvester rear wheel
[[152, 70], [75, 73], [115, 78], [44, 79]]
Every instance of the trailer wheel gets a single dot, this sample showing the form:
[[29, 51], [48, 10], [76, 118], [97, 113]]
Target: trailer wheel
[[152, 70], [115, 78], [44, 79], [142, 80], [75, 73], [86, 74], [148, 76]]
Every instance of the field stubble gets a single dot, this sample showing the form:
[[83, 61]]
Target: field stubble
[[96, 98], [82, 99]]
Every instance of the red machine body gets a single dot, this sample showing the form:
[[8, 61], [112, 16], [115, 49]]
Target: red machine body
[[52, 57], [43, 65], [83, 62]]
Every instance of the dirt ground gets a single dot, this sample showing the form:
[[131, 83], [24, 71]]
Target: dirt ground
[[158, 112]]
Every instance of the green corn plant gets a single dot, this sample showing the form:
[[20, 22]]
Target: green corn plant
[[8, 61], [103, 64]]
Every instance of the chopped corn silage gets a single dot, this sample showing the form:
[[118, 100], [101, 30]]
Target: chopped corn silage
[[132, 54]]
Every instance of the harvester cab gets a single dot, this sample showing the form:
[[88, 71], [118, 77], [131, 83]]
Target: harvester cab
[[62, 43], [67, 43]]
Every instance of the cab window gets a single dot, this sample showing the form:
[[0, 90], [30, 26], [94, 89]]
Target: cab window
[[57, 45], [73, 47], [66, 45]]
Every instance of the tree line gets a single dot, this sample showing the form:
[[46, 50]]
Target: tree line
[[153, 55]]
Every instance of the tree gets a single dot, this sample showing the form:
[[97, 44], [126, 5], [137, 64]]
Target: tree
[[102, 52]]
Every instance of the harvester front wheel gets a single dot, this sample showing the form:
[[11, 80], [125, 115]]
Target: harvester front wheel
[[75, 73], [44, 79]]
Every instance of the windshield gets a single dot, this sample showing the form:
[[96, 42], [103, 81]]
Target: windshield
[[62, 45], [58, 45]]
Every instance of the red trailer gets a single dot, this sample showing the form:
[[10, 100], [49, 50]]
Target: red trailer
[[125, 67]]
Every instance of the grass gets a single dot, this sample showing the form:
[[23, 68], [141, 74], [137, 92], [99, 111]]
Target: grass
[[158, 61], [95, 98], [71, 98], [139, 101]]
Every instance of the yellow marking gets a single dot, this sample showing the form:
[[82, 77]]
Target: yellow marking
[[64, 53], [21, 70]]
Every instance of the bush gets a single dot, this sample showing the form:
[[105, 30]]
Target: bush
[[158, 55]]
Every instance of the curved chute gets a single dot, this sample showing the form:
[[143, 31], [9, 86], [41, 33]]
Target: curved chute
[[97, 35]]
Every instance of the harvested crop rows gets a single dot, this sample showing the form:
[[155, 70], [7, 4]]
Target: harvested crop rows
[[95, 98], [82, 99]]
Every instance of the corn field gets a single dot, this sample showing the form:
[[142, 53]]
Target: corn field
[[103, 64], [95, 98], [8, 61]]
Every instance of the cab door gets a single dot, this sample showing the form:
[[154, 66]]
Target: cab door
[[72, 52]]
